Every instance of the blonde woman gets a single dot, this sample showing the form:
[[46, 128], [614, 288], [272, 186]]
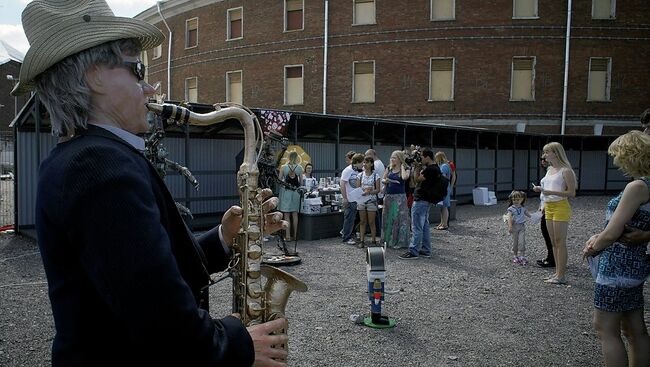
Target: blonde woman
[[441, 160], [395, 216], [619, 306], [557, 186]]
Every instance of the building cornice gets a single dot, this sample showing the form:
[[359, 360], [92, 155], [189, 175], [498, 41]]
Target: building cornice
[[172, 8]]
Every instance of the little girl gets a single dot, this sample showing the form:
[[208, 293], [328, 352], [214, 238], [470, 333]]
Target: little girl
[[516, 216]]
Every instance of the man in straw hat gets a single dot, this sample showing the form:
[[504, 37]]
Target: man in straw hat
[[127, 280]]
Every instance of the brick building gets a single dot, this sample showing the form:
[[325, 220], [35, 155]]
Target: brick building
[[10, 61], [498, 64]]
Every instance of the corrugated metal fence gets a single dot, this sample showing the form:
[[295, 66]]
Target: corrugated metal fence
[[496, 160], [7, 182]]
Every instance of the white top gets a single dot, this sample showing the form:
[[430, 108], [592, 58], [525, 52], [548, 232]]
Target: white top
[[518, 214], [553, 182], [379, 170], [349, 177], [369, 181]]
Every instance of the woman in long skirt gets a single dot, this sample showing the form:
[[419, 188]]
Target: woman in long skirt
[[395, 218]]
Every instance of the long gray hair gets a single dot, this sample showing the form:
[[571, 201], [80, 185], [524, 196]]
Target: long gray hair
[[63, 90]]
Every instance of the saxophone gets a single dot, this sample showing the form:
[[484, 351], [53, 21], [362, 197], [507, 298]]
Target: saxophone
[[256, 301]]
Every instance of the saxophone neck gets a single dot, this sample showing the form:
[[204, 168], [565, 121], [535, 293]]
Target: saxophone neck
[[183, 116]]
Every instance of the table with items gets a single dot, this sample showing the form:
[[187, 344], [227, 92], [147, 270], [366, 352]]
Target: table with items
[[321, 214]]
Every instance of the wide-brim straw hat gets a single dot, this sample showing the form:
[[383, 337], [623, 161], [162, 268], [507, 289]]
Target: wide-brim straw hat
[[57, 29]]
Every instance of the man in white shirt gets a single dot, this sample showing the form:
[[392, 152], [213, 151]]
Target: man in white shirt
[[348, 183]]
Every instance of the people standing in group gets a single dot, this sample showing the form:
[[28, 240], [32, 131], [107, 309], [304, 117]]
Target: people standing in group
[[395, 218], [549, 260], [426, 174], [441, 160], [620, 269], [557, 186], [308, 179], [516, 217], [290, 196], [369, 181], [349, 181], [128, 282]]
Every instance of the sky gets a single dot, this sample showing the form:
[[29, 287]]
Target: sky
[[11, 30]]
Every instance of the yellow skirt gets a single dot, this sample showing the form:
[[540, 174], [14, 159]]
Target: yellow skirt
[[559, 211]]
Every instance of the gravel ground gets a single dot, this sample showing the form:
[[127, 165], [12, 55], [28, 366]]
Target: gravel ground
[[466, 306]]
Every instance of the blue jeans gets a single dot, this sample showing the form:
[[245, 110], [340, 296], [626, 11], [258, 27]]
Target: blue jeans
[[420, 228], [349, 214]]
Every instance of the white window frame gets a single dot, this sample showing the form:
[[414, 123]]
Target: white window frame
[[453, 12], [532, 84], [536, 16], [156, 52], [354, 14], [608, 82], [302, 69], [228, 12], [187, 90], [286, 20], [612, 10], [374, 80], [453, 79], [187, 34], [241, 78]]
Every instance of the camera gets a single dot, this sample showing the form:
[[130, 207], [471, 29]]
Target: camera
[[415, 156]]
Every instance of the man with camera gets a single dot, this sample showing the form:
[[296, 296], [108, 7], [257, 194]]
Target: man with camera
[[428, 183]]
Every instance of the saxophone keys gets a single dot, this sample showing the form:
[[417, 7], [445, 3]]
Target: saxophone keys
[[254, 232], [254, 310], [255, 252], [253, 270]]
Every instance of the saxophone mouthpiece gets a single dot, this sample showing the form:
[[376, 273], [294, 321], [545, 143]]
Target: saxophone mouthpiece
[[180, 115]]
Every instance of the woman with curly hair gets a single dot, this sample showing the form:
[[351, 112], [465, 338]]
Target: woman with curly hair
[[621, 268]]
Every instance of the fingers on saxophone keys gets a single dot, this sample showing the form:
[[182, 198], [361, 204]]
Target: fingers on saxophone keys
[[277, 352], [264, 194], [270, 204], [275, 217]]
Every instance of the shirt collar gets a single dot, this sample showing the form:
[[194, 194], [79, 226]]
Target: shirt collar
[[132, 139]]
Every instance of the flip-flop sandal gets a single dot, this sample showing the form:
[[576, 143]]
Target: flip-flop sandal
[[442, 228], [558, 281]]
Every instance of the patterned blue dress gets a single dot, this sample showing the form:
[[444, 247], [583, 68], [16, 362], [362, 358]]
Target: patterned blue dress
[[619, 260]]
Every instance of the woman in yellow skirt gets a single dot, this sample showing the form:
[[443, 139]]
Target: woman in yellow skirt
[[557, 186]]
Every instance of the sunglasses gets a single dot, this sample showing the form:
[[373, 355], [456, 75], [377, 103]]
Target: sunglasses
[[136, 67]]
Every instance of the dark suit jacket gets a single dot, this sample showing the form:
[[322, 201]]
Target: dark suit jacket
[[124, 272]]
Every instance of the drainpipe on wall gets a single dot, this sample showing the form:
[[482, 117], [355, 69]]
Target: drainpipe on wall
[[169, 54], [566, 65], [325, 60]]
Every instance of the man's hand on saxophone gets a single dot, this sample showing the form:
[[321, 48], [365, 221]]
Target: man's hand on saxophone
[[273, 222], [266, 353]]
